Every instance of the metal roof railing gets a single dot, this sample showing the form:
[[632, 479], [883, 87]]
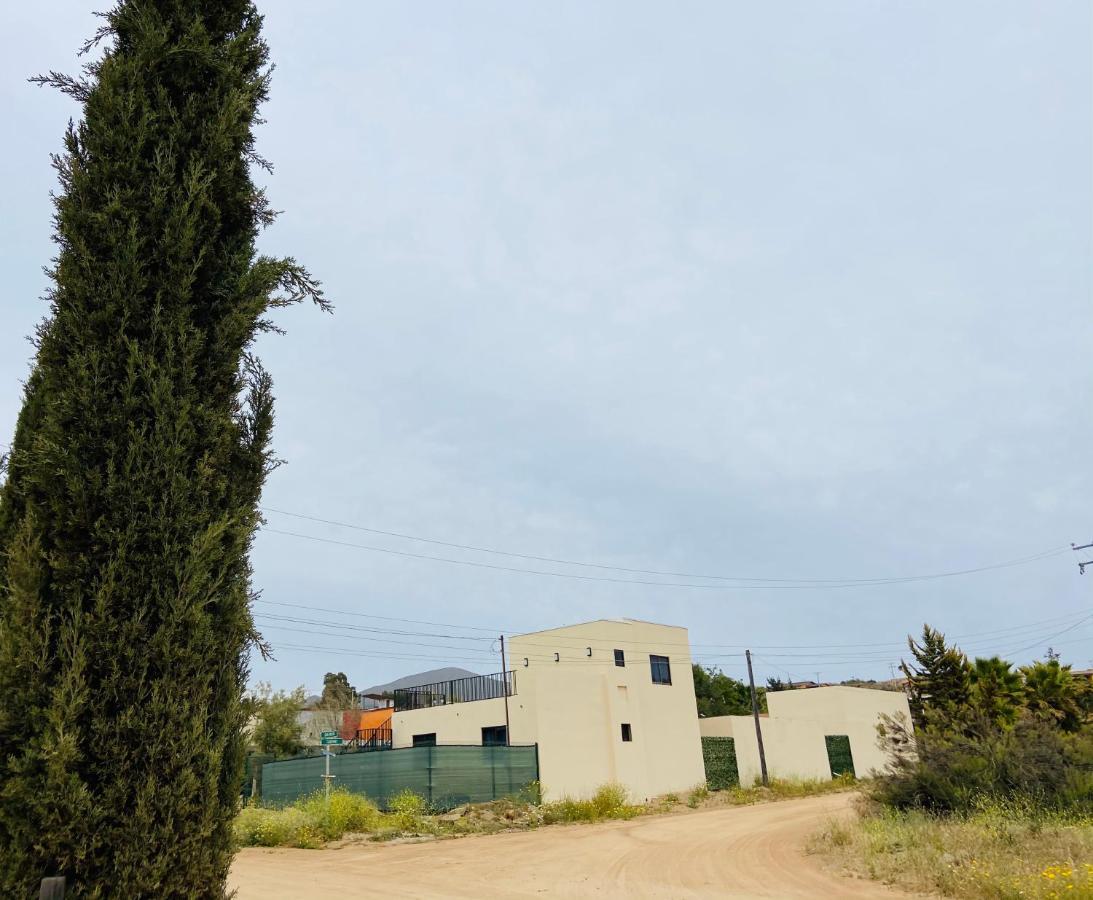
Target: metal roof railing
[[458, 690]]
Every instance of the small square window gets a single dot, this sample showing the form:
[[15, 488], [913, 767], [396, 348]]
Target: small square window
[[620, 658], [495, 736], [425, 740], [661, 668], [627, 734]]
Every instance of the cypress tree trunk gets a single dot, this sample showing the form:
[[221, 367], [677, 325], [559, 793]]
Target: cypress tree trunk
[[132, 485]]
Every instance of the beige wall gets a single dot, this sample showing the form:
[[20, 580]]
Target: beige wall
[[574, 708], [460, 723], [793, 733]]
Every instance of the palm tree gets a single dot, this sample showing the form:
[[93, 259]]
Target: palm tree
[[1051, 691], [996, 690]]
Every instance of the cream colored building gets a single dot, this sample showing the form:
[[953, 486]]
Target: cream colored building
[[605, 701], [796, 728]]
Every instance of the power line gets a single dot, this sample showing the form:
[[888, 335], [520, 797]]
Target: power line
[[671, 584], [809, 582], [491, 630], [545, 639]]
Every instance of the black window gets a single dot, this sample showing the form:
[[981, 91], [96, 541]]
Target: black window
[[425, 740], [620, 658], [662, 671], [627, 734], [494, 736]]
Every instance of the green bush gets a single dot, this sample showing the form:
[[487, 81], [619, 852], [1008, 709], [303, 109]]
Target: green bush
[[289, 827], [408, 810], [342, 813], [609, 802], [697, 795], [956, 769]]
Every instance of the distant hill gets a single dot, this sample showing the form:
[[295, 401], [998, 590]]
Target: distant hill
[[449, 673]]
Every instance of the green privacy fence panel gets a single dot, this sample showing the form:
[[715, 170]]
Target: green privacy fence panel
[[446, 776], [839, 755], [719, 756]]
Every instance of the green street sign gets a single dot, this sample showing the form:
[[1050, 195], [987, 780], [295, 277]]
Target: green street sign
[[325, 741], [326, 734]]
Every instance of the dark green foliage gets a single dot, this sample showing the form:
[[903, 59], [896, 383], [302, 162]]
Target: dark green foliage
[[719, 756], [839, 756], [1052, 691], [776, 684], [136, 468], [985, 732], [996, 690], [719, 695], [940, 678], [955, 769], [338, 693]]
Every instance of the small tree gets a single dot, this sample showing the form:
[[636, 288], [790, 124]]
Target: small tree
[[716, 694], [939, 680], [277, 729], [338, 693]]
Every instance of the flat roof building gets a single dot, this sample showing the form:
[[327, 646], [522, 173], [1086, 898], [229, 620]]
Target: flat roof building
[[610, 700]]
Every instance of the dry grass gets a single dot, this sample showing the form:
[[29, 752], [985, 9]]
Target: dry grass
[[316, 820], [780, 789], [999, 851]]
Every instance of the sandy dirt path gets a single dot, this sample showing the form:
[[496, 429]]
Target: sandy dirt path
[[740, 852]]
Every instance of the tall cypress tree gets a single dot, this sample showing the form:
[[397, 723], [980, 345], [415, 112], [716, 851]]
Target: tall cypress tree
[[132, 484]]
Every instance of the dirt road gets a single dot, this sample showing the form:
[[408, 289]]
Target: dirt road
[[741, 852]]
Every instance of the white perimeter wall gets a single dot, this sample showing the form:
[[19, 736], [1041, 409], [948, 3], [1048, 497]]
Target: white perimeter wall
[[794, 731]]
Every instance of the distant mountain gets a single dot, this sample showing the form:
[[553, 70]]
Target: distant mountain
[[449, 673]]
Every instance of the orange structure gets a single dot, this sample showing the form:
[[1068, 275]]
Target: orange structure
[[354, 720]]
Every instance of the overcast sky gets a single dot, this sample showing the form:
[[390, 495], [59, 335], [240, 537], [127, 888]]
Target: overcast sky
[[789, 291]]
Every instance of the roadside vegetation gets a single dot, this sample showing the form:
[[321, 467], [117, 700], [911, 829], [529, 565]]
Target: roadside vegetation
[[999, 850], [317, 821], [989, 792]]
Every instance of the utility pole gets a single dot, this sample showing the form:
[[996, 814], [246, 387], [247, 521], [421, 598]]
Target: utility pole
[[505, 687], [1082, 565], [755, 715]]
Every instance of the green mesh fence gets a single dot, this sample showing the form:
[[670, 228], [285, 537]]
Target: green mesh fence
[[445, 776], [719, 756], [839, 755]]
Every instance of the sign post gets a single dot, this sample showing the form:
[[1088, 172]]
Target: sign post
[[329, 738]]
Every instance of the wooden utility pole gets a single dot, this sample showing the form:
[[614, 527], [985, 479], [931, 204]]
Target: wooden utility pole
[[755, 715], [505, 688]]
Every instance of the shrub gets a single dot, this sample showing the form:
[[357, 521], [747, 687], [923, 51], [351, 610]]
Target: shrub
[[697, 795], [609, 802], [289, 827], [956, 769], [408, 811], [343, 812]]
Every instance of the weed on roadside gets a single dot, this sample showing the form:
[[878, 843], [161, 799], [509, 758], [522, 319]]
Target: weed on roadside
[[997, 851]]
